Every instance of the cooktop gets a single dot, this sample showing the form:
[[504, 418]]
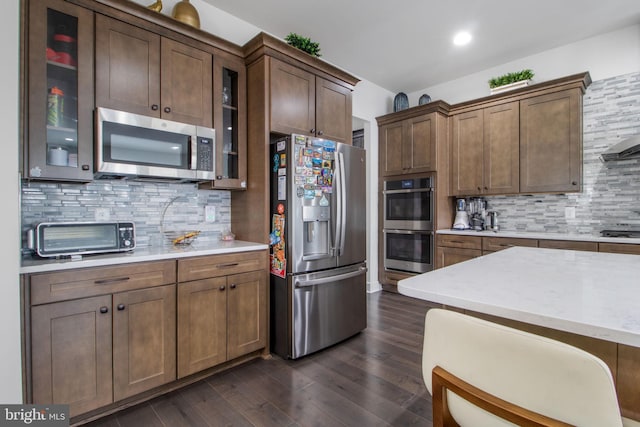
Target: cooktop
[[621, 233]]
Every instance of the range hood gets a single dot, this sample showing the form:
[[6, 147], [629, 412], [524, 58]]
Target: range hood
[[626, 149]]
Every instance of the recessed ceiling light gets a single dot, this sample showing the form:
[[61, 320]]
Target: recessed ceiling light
[[462, 38]]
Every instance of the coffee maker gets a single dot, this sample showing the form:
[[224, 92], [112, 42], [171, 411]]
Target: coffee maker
[[461, 221]]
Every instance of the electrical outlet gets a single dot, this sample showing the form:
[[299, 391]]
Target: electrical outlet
[[210, 213], [102, 214], [570, 212]]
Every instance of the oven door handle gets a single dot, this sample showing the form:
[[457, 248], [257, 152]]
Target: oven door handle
[[409, 190], [407, 231]]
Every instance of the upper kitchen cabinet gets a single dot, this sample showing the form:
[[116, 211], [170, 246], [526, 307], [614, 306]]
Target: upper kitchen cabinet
[[144, 73], [304, 103], [551, 142], [409, 139], [59, 124], [230, 117], [288, 91], [485, 151], [525, 141]]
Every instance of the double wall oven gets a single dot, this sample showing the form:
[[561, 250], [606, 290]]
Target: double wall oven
[[408, 224]]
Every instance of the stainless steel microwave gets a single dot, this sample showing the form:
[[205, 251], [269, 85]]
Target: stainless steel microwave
[[132, 145], [53, 239]]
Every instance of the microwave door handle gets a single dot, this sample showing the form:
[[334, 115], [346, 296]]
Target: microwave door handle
[[193, 152]]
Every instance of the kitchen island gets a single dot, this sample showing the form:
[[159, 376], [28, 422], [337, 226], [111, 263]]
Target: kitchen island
[[583, 294]]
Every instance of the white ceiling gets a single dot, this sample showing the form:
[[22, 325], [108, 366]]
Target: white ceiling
[[407, 45]]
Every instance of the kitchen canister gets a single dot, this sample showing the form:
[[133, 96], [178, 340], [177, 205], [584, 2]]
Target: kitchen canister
[[58, 156], [55, 106], [400, 102]]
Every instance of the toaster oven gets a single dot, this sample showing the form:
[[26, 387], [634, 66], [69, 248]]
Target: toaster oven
[[55, 239]]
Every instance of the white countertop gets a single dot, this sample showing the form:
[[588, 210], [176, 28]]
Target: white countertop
[[542, 235], [588, 293], [150, 253]]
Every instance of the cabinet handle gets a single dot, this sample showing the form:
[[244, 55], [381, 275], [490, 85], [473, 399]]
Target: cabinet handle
[[574, 183], [319, 133], [231, 264], [109, 281], [486, 188], [155, 107], [479, 188], [222, 288], [313, 130], [104, 309], [233, 286], [121, 307], [85, 167], [167, 109]]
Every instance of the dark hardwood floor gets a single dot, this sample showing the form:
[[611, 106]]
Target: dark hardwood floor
[[372, 379]]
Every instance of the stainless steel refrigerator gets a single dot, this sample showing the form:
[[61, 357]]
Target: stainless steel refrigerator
[[318, 244]]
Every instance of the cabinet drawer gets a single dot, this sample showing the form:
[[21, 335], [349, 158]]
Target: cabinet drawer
[[569, 244], [492, 244], [220, 265], [85, 282], [457, 241], [619, 248]]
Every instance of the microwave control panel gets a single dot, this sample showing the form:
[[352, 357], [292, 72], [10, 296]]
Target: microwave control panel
[[205, 154]]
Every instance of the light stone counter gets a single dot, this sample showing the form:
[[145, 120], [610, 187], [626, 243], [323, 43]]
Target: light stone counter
[[150, 253], [587, 293], [542, 236]]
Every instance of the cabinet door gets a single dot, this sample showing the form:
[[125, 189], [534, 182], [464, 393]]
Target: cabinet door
[[246, 313], [466, 153], [202, 325], [60, 92], [127, 67], [333, 111], [186, 79], [501, 152], [230, 118], [390, 152], [144, 340], [551, 142], [71, 353], [293, 99], [420, 142]]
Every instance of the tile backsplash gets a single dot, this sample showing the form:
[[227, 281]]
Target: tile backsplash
[[610, 197], [143, 203]]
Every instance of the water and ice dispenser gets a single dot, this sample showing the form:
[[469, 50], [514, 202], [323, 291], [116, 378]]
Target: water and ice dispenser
[[316, 230]]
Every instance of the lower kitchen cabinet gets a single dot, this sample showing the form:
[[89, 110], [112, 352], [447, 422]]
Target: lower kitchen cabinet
[[574, 245], [223, 316], [99, 335], [452, 249]]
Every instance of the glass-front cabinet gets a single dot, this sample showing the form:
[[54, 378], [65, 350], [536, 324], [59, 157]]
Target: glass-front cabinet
[[230, 121], [59, 137]]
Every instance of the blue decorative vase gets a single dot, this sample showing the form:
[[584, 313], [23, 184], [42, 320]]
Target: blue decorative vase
[[424, 99], [400, 102]]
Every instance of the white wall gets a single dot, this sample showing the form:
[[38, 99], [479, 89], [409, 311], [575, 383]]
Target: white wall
[[10, 355], [608, 55]]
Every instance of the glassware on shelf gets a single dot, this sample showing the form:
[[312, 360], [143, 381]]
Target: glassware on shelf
[[226, 96]]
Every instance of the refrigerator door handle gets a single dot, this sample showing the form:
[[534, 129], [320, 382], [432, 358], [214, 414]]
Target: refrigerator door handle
[[313, 282], [337, 247], [343, 203]]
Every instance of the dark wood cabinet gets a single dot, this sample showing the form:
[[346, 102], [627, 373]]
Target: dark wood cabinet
[[100, 335], [551, 142], [452, 249], [573, 245], [222, 309], [485, 151], [144, 73], [72, 353], [59, 136], [304, 103], [144, 340], [408, 146]]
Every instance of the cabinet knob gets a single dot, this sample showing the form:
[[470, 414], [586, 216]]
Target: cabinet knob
[[167, 109], [313, 130], [85, 167], [233, 286], [574, 183], [155, 107], [319, 133], [222, 288], [104, 309], [120, 307], [486, 188], [479, 188]]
